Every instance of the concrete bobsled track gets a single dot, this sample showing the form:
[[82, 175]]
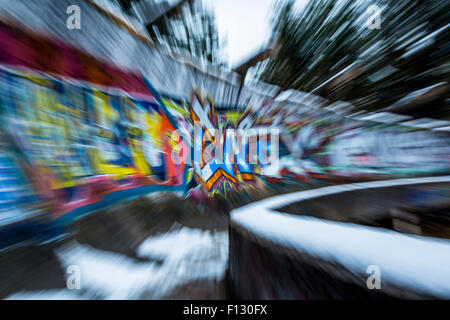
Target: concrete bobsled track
[[326, 245], [158, 246], [162, 246]]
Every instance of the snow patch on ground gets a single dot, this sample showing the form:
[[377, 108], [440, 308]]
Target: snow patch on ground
[[191, 253], [188, 255]]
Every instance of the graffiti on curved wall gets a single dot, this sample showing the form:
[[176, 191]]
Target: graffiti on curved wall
[[84, 142]]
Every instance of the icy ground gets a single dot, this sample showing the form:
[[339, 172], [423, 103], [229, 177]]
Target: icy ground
[[166, 263]]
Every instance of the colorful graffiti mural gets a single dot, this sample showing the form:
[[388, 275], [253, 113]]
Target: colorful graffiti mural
[[78, 134], [84, 142]]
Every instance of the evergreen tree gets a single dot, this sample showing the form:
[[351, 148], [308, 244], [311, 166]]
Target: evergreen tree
[[409, 52]]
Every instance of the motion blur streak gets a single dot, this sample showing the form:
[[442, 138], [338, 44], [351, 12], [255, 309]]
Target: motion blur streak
[[119, 163], [109, 275]]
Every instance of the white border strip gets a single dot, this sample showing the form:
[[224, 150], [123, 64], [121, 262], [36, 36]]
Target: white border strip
[[418, 263]]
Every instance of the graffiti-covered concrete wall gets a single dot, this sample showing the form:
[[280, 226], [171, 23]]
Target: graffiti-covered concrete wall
[[96, 115]]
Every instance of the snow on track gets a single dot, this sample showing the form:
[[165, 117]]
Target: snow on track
[[419, 263]]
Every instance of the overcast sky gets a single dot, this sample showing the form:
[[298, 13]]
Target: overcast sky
[[244, 23]]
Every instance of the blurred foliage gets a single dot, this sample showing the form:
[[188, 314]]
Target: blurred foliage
[[410, 51], [193, 32]]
